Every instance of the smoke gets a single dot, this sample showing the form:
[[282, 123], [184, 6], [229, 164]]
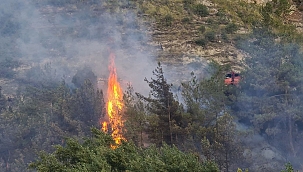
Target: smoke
[[270, 97], [72, 36]]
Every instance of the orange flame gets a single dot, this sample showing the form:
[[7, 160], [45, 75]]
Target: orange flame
[[114, 104]]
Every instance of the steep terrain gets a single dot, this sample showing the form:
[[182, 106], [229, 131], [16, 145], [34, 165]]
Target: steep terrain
[[177, 41], [176, 44], [59, 39]]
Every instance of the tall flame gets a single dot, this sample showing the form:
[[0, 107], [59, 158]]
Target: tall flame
[[114, 104]]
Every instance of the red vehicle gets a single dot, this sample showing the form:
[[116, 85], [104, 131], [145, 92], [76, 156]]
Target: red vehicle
[[232, 78]]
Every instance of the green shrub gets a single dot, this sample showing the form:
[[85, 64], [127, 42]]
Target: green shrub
[[202, 29], [201, 10], [288, 168], [187, 4], [210, 21], [282, 6], [167, 20], [223, 19], [185, 20], [201, 41], [224, 37], [231, 28], [220, 13], [210, 36]]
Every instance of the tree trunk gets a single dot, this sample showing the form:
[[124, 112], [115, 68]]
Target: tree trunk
[[170, 130], [141, 136]]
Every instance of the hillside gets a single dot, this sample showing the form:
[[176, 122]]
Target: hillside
[[179, 38], [49, 48], [179, 44]]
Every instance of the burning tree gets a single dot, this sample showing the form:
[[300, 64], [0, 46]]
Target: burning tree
[[114, 104]]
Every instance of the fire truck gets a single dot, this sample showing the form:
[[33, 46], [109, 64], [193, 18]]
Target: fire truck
[[232, 78]]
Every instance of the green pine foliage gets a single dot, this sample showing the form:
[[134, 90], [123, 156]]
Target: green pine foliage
[[95, 154], [210, 128], [44, 114], [288, 168], [165, 112], [135, 116]]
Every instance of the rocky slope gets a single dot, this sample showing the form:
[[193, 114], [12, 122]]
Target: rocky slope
[[176, 43]]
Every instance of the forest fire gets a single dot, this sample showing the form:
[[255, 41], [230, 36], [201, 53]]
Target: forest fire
[[114, 104]]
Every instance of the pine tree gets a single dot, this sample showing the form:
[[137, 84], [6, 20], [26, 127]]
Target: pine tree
[[205, 102], [164, 109], [135, 117], [211, 129], [88, 105]]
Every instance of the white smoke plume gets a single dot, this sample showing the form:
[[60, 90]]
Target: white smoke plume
[[71, 36]]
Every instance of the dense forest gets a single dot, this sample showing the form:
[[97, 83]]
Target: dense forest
[[53, 87]]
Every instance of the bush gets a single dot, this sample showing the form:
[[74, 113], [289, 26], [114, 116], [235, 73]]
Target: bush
[[224, 37], [201, 41], [187, 4], [231, 28], [201, 10], [202, 29], [167, 20], [185, 20], [223, 19], [220, 13], [210, 21], [288, 168], [210, 36]]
